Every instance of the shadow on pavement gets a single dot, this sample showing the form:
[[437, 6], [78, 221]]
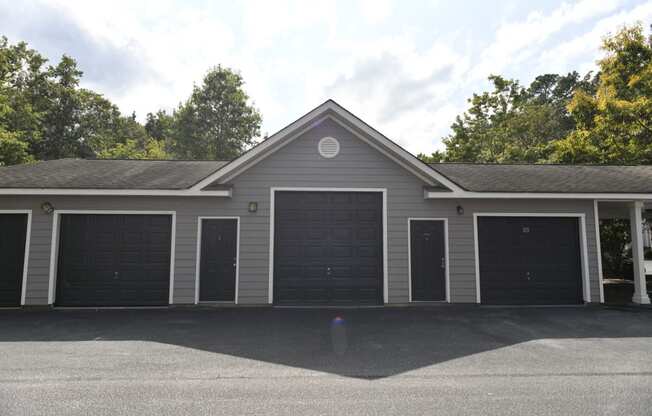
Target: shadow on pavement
[[361, 343]]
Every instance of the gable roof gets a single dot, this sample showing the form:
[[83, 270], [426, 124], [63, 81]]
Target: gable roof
[[208, 178], [106, 177], [107, 174], [328, 110], [524, 178]]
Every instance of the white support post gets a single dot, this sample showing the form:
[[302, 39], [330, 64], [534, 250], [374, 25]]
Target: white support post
[[636, 219]]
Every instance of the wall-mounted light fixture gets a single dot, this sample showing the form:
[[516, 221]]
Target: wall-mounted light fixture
[[47, 208], [253, 206], [460, 210]]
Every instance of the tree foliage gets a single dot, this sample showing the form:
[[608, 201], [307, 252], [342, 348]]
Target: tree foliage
[[513, 123], [45, 114], [603, 118], [216, 122], [614, 124]]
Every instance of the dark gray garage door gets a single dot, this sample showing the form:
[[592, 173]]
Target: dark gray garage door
[[328, 248], [529, 260], [13, 228], [114, 260]]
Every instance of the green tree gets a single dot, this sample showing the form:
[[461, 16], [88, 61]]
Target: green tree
[[23, 83], [513, 123], [216, 122], [614, 123], [12, 150], [132, 149], [159, 125]]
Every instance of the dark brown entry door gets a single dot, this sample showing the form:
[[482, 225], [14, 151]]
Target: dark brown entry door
[[218, 260], [13, 229], [428, 260]]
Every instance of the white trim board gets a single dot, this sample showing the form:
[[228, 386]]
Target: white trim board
[[200, 220], [54, 245], [586, 288], [446, 256], [273, 190], [113, 192], [28, 237], [328, 110], [533, 195]]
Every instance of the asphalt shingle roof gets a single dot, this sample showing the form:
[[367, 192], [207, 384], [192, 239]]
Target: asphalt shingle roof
[[548, 178], [108, 174], [180, 174]]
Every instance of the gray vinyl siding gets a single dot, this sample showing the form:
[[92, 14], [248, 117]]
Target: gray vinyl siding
[[299, 165]]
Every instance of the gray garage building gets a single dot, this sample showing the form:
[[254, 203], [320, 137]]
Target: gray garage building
[[327, 211]]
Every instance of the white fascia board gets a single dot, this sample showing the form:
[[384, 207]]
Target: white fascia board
[[534, 195], [386, 146], [396, 149], [114, 192]]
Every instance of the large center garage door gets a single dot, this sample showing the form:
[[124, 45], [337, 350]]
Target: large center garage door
[[328, 248], [529, 260], [114, 260]]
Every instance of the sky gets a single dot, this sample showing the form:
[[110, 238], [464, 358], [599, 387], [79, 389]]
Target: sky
[[405, 67]]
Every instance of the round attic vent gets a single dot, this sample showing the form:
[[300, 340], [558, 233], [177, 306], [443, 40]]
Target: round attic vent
[[328, 147]]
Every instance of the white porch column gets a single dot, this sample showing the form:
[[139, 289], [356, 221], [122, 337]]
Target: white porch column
[[635, 220]]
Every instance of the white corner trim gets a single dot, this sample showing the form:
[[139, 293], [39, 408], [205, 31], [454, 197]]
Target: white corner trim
[[272, 220], [598, 247], [113, 192], [273, 190], [315, 116], [54, 243], [173, 249], [200, 221], [586, 288], [446, 255], [532, 195], [28, 237]]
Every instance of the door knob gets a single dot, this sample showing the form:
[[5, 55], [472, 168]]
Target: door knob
[[116, 275], [443, 262]]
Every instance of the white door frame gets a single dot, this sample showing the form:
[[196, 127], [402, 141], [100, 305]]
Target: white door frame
[[54, 245], [273, 190], [446, 255], [586, 289], [237, 254], [28, 237]]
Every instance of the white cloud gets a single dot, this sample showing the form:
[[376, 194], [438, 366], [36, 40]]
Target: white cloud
[[516, 42], [404, 92], [584, 49], [405, 77], [375, 11]]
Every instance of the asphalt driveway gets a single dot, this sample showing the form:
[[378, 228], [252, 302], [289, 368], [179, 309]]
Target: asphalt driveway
[[440, 360]]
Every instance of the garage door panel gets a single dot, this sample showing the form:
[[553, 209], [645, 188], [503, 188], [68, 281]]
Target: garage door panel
[[346, 217], [529, 260], [366, 216], [113, 260], [343, 234], [342, 252], [339, 238], [13, 234]]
